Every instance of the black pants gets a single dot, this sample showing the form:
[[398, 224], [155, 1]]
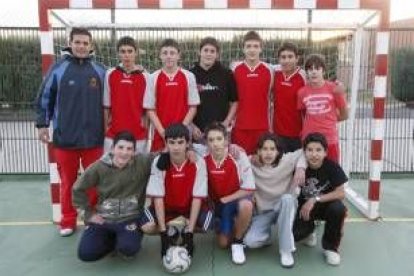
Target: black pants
[[289, 144], [333, 213]]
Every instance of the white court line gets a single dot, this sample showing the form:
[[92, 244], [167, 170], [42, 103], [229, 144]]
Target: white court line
[[348, 220]]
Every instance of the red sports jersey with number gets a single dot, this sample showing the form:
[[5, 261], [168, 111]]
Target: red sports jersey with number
[[287, 119], [171, 98], [228, 176], [123, 95], [178, 185], [253, 87]]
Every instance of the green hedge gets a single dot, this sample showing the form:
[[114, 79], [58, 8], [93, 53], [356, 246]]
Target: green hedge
[[402, 74], [20, 66]]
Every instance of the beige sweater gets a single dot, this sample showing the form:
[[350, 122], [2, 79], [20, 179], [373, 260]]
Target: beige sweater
[[273, 182]]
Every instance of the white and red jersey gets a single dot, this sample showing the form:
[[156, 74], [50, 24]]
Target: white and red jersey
[[178, 185], [123, 95], [287, 119], [320, 106], [171, 96], [253, 88], [228, 176]]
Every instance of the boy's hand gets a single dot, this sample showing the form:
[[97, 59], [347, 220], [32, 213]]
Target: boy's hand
[[339, 87], [307, 209]]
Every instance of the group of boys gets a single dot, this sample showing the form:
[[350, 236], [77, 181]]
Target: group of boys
[[251, 99]]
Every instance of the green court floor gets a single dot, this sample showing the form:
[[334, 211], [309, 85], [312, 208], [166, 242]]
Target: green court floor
[[30, 244]]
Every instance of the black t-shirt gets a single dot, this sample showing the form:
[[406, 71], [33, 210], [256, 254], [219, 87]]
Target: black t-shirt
[[217, 90], [323, 180]]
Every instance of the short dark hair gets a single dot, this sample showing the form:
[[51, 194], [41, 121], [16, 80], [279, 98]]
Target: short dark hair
[[315, 60], [315, 137], [124, 136], [169, 42], [209, 40], [217, 127], [79, 31], [252, 35], [177, 130], [288, 46], [126, 41], [268, 136]]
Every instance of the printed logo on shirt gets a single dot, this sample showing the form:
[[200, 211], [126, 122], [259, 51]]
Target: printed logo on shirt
[[207, 87], [217, 172], [178, 175], [71, 82], [171, 83], [318, 104], [93, 82], [252, 75], [131, 227], [286, 83], [127, 81]]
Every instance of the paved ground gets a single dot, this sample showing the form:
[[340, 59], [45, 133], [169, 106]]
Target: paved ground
[[31, 246]]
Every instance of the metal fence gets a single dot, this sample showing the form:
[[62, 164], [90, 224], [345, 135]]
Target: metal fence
[[20, 77]]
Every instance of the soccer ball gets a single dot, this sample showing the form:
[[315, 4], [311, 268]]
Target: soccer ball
[[176, 260]]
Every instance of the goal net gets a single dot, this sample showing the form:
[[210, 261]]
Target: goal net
[[347, 39]]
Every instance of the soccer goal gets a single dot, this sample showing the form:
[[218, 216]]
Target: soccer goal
[[352, 34]]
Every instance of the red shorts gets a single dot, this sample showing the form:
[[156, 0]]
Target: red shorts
[[333, 152], [247, 139]]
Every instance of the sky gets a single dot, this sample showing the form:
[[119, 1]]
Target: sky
[[23, 13]]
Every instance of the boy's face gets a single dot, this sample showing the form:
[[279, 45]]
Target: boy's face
[[177, 147], [268, 152], [169, 57], [315, 154], [217, 143], [252, 50], [288, 60], [122, 151], [208, 55], [127, 55], [81, 45], [315, 74]]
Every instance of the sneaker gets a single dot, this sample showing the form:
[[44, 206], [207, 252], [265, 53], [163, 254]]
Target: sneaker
[[286, 259], [66, 232], [237, 253], [332, 257], [310, 240]]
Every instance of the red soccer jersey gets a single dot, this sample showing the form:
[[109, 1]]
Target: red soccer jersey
[[287, 119], [171, 99], [123, 95], [253, 86], [228, 176], [178, 185], [320, 106]]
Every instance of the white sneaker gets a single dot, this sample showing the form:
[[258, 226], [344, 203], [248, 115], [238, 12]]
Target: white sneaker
[[311, 240], [66, 232], [332, 257], [237, 253], [286, 259]]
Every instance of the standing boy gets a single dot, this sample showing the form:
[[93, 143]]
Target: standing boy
[[125, 86], [231, 186], [173, 96], [289, 78], [216, 87], [254, 80], [323, 104], [71, 97]]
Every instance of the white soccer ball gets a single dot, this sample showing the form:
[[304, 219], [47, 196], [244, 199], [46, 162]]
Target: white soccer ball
[[176, 260]]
